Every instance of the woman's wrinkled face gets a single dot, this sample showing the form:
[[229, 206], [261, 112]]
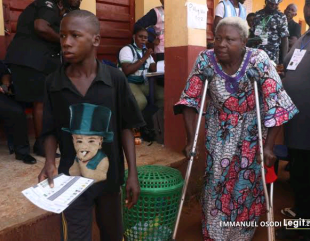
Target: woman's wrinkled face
[[228, 44], [86, 147]]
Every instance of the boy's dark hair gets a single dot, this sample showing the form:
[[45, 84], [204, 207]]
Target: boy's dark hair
[[88, 16]]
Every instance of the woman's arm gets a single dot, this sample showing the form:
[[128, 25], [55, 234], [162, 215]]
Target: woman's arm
[[189, 116], [130, 68], [269, 156], [153, 67]]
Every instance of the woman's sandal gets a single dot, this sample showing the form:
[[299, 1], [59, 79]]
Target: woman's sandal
[[288, 212]]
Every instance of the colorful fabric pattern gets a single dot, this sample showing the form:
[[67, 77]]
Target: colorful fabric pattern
[[276, 28], [233, 188]]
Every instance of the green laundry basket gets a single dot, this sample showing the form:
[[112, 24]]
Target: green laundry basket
[[154, 216]]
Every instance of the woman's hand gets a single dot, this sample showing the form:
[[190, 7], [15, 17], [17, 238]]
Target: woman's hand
[[187, 151], [148, 53], [269, 157]]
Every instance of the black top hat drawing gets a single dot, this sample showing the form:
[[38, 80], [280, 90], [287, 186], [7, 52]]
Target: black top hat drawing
[[91, 120]]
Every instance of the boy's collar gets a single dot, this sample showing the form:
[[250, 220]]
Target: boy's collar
[[61, 81]]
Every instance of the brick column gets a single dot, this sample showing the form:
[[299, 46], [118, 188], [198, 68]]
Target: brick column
[[89, 5], [182, 46]]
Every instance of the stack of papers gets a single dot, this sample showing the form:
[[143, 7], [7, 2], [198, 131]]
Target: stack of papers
[[160, 70], [160, 66], [66, 189]]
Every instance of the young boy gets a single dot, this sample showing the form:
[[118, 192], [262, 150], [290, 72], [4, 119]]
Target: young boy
[[85, 80]]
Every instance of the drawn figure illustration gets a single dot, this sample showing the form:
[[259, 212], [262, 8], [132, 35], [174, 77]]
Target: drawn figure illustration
[[89, 128]]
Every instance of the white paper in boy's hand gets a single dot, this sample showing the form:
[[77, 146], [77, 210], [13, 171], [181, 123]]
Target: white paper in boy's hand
[[66, 190], [161, 66]]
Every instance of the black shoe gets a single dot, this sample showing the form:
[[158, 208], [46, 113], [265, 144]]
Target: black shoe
[[11, 150], [26, 158]]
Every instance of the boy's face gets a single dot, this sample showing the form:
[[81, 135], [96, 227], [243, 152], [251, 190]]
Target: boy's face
[[86, 147], [78, 39]]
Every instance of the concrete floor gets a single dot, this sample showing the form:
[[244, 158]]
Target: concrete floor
[[16, 176], [15, 210]]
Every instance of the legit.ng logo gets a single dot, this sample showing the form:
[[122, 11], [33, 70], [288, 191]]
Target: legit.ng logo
[[300, 223]]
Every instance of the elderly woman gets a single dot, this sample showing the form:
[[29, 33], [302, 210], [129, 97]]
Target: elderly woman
[[233, 188]]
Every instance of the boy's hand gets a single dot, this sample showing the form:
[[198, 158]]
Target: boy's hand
[[132, 190], [49, 171]]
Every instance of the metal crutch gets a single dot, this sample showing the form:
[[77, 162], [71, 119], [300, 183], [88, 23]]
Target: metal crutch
[[208, 74], [253, 75]]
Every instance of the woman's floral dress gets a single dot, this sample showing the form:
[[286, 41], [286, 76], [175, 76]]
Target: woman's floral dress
[[233, 188]]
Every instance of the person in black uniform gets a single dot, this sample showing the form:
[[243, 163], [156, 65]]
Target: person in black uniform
[[34, 53], [14, 118], [84, 79], [293, 27]]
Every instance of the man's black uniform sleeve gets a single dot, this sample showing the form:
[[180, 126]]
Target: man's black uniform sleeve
[[48, 119], [48, 11], [147, 20]]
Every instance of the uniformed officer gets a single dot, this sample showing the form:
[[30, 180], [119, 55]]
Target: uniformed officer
[[271, 26], [14, 118], [34, 53]]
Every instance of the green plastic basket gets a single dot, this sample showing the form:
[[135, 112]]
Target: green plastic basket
[[154, 216]]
